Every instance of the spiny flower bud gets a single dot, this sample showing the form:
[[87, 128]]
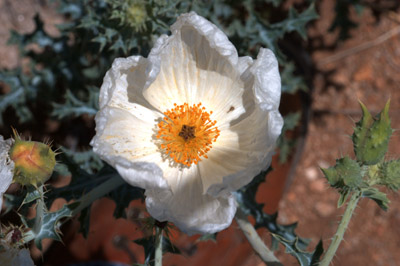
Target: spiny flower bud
[[136, 15], [34, 161], [371, 136]]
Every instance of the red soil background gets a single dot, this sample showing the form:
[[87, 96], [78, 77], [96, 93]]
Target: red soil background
[[343, 76]]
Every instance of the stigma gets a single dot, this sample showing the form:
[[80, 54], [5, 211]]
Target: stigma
[[187, 133]]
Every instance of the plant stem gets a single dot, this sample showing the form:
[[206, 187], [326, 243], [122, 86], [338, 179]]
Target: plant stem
[[96, 193], [255, 241], [338, 237], [40, 208], [112, 183], [159, 253]]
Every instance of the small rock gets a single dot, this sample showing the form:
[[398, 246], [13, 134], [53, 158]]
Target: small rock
[[324, 209], [311, 173], [318, 185]]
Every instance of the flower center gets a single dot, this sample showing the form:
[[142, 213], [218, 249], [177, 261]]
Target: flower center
[[187, 133]]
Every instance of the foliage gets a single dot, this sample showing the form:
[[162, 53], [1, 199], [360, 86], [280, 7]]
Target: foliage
[[285, 234], [370, 139]]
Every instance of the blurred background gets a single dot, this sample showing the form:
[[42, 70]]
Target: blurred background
[[53, 55]]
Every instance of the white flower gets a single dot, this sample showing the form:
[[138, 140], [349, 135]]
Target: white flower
[[190, 124], [6, 167]]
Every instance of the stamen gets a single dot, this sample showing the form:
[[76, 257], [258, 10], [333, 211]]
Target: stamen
[[187, 133]]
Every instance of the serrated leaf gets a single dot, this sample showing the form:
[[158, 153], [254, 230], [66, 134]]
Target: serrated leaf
[[246, 199], [122, 196], [379, 197], [76, 107], [346, 173], [371, 136], [297, 21], [303, 257], [207, 237], [290, 82], [100, 40], [50, 223], [32, 195]]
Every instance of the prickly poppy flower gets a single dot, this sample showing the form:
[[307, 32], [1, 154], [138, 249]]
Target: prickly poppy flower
[[6, 167], [190, 123]]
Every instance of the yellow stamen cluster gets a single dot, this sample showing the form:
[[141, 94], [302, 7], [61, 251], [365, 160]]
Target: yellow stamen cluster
[[187, 133]]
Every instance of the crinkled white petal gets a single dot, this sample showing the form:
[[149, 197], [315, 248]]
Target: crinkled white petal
[[189, 209], [125, 139], [6, 167], [197, 63], [247, 145]]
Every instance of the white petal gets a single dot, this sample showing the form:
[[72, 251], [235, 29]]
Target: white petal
[[125, 139], [125, 82], [246, 147], [197, 64], [6, 167], [189, 209], [267, 81]]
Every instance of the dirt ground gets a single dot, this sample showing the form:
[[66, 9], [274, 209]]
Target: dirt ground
[[365, 67]]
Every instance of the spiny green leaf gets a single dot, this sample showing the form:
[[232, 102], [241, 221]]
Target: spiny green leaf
[[371, 136], [76, 107], [379, 197], [303, 257], [50, 223], [32, 195], [290, 82], [298, 21], [122, 196], [346, 173], [391, 174], [246, 199]]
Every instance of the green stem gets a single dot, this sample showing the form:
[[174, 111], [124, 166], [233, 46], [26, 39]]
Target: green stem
[[40, 209], [338, 237], [98, 192], [87, 199], [255, 241], [159, 253]]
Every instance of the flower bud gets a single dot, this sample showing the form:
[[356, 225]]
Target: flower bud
[[34, 161], [136, 15], [371, 136]]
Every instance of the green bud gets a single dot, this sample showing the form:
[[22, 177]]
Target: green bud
[[34, 161], [391, 174], [347, 173], [371, 136]]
